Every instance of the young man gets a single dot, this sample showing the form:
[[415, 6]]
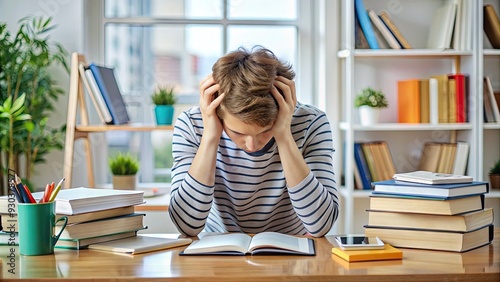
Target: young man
[[250, 158]]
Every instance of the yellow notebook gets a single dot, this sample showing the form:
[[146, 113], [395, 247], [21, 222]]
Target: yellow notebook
[[388, 252]]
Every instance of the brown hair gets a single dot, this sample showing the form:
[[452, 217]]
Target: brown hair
[[246, 78]]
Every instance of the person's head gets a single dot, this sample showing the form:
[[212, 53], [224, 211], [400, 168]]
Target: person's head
[[248, 110]]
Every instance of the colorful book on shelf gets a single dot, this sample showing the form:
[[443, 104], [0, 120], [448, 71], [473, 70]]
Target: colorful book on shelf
[[425, 104], [384, 31], [386, 19], [139, 244], [95, 94], [432, 239], [491, 25], [101, 227], [364, 171], [442, 96], [426, 205], [409, 101], [458, 223], [106, 81], [370, 161], [387, 253], [452, 102], [243, 244], [441, 28], [460, 97], [429, 177], [365, 23], [430, 190]]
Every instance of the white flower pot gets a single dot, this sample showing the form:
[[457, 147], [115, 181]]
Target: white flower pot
[[368, 115]]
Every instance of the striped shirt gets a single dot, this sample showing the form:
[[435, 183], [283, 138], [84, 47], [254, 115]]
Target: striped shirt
[[250, 194]]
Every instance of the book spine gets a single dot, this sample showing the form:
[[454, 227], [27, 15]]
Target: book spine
[[365, 24], [387, 35], [359, 157], [102, 87]]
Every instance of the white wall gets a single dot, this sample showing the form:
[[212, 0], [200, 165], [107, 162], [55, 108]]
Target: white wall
[[68, 16]]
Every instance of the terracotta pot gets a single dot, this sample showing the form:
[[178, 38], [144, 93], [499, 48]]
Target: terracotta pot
[[494, 181], [125, 182]]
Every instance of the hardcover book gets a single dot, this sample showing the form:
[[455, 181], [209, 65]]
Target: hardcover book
[[365, 23], [491, 25], [83, 243], [140, 244], [384, 16], [429, 177], [242, 244], [428, 190]]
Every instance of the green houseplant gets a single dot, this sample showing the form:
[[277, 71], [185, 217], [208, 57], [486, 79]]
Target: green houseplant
[[27, 61], [494, 174], [124, 168], [164, 98], [369, 102]]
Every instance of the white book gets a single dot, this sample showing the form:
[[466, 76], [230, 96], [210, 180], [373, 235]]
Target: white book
[[384, 31], [457, 29], [241, 244], [428, 177], [433, 101], [95, 94], [490, 104], [461, 157], [441, 28], [140, 244]]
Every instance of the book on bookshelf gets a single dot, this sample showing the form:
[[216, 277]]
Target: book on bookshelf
[[360, 160], [460, 96], [462, 223], [461, 158], [365, 23], [387, 253], [82, 200], [491, 25], [95, 94], [359, 36], [101, 227], [83, 243], [396, 187], [139, 244], [409, 101], [432, 239], [452, 103], [429, 177], [442, 97], [441, 28], [430, 156], [433, 100], [490, 106], [425, 104], [106, 81], [384, 16], [384, 31], [426, 205], [242, 244]]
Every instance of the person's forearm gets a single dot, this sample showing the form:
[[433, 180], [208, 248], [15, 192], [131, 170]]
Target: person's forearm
[[203, 167], [295, 167]]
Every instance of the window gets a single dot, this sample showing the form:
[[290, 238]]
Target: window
[[176, 42]]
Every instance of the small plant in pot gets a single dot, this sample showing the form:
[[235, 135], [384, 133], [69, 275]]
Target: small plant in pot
[[124, 168], [164, 98], [495, 175], [369, 101]]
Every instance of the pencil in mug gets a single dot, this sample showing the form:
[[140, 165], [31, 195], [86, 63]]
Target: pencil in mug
[[56, 190]]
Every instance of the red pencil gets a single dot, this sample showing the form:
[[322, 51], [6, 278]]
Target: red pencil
[[32, 200]]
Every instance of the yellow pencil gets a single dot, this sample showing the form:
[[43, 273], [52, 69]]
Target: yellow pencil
[[53, 195]]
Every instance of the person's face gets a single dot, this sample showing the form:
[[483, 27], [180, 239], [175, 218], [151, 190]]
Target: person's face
[[248, 137]]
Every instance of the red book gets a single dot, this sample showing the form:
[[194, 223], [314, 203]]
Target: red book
[[461, 101]]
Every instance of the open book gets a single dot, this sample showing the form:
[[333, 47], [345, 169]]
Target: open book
[[242, 244]]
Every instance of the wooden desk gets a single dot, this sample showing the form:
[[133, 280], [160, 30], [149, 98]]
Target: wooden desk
[[482, 264]]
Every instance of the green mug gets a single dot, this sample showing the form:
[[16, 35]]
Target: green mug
[[36, 228]]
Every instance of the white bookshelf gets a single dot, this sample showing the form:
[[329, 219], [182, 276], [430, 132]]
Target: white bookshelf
[[382, 69]]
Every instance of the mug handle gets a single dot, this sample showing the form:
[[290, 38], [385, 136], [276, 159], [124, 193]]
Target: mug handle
[[56, 238]]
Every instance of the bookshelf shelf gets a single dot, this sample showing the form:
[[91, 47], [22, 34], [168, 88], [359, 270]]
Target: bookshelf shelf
[[74, 131], [382, 68]]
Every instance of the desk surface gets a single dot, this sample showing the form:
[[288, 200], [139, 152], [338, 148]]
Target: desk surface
[[482, 264]]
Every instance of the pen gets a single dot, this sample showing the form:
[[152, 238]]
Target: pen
[[56, 190]]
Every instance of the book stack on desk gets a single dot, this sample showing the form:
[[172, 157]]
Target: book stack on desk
[[94, 215], [442, 215]]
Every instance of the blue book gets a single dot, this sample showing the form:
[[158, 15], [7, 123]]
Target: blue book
[[366, 24], [106, 81], [454, 190], [364, 172]]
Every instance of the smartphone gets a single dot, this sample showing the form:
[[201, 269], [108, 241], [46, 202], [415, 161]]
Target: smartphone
[[358, 242]]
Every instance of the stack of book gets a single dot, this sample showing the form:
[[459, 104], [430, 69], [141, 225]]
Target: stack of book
[[433, 211], [94, 216]]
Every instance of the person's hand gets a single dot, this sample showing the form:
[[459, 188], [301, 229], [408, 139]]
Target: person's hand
[[286, 103], [208, 106]]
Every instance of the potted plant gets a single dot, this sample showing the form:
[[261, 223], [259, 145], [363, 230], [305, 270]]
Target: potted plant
[[164, 98], [27, 64], [124, 168], [495, 175], [369, 102]]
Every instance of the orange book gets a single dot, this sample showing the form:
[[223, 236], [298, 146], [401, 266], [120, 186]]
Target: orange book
[[388, 252], [409, 101]]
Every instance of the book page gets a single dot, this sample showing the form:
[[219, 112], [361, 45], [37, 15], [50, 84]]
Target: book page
[[234, 242], [280, 241]]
